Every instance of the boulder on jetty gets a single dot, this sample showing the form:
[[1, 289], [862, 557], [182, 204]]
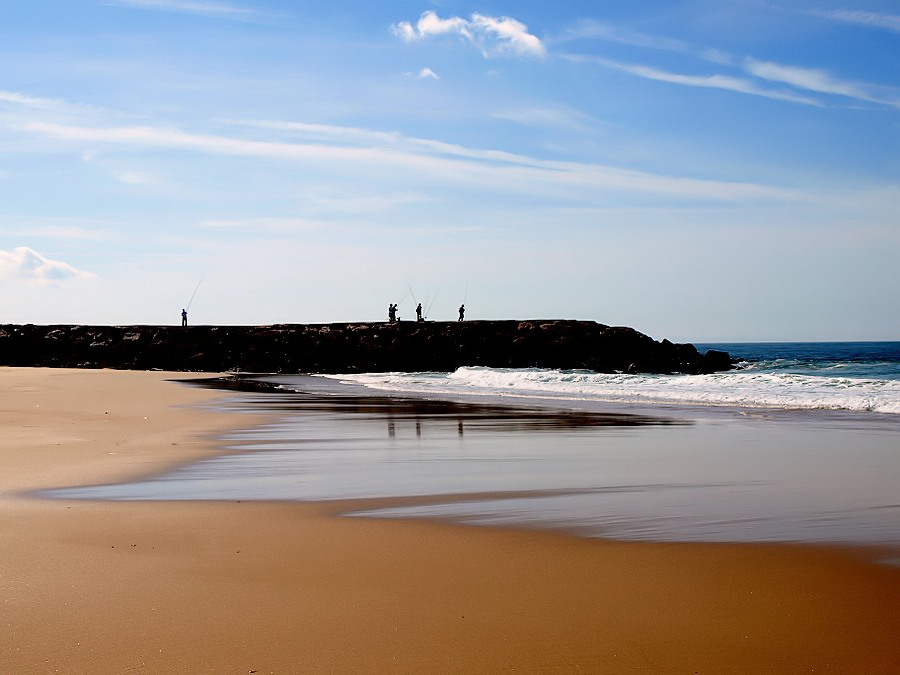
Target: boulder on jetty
[[355, 347]]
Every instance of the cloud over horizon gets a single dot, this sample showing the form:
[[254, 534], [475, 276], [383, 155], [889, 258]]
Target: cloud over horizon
[[26, 264]]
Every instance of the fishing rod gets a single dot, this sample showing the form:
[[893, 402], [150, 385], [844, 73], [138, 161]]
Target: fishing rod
[[428, 308], [416, 301], [196, 288]]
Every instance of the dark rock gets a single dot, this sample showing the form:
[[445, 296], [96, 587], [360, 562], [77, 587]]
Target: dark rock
[[361, 347]]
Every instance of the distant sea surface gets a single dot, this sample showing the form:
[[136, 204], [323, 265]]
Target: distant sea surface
[[801, 443]]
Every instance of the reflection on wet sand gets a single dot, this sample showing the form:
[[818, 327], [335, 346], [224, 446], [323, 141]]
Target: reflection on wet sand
[[596, 473], [434, 413]]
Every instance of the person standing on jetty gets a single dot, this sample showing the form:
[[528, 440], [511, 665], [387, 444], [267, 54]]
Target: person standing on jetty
[[184, 317], [462, 313], [419, 312], [392, 313]]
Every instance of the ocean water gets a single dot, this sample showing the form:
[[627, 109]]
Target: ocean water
[[799, 444], [849, 376]]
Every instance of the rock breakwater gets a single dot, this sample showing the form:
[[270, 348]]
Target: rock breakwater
[[354, 347]]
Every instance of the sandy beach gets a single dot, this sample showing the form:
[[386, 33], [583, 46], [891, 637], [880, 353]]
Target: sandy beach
[[259, 587]]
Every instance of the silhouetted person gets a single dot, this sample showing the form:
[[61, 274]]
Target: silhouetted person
[[184, 317], [419, 312], [392, 313], [462, 312]]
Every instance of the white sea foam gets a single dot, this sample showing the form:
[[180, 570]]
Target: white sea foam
[[748, 388]]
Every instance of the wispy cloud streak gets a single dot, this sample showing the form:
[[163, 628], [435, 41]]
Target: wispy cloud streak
[[871, 19], [814, 79], [438, 161], [211, 8], [800, 81], [18, 98], [549, 117], [598, 30], [717, 81]]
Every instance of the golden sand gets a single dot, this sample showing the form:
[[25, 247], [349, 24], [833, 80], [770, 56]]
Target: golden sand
[[293, 588]]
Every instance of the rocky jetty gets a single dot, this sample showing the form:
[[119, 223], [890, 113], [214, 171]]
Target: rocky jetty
[[354, 347]]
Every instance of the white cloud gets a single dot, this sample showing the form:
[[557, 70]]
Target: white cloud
[[25, 264], [862, 18], [511, 35], [492, 35], [429, 25], [427, 73], [813, 79]]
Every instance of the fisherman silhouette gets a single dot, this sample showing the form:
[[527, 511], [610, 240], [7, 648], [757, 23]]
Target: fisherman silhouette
[[462, 312], [419, 312], [392, 313], [184, 317]]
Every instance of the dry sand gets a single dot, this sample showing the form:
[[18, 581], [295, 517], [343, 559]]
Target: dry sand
[[290, 588]]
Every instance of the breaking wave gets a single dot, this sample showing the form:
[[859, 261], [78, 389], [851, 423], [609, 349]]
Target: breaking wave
[[754, 387]]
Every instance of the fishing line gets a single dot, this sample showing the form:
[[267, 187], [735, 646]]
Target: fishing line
[[196, 288], [428, 309]]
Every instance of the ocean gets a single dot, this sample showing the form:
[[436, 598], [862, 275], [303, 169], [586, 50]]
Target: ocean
[[800, 443], [850, 376]]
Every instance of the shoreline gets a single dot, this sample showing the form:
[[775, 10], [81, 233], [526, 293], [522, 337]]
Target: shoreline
[[277, 587]]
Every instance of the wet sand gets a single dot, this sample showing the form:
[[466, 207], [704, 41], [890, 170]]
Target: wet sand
[[284, 587]]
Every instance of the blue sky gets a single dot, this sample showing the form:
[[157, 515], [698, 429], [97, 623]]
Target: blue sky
[[697, 169]]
